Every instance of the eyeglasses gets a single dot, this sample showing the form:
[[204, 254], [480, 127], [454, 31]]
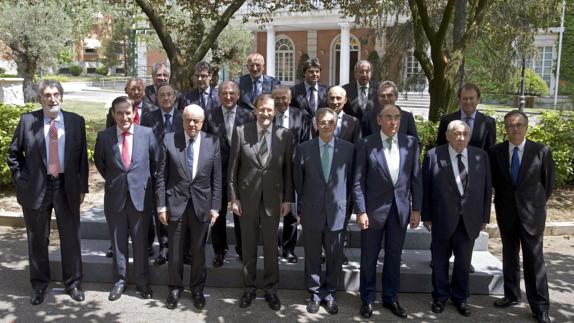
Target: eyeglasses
[[326, 122], [514, 126], [48, 96]]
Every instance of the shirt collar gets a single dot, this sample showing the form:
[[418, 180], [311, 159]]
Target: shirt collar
[[453, 152], [163, 113], [520, 146], [120, 131], [259, 128], [307, 86], [331, 142], [59, 118], [359, 86], [384, 137], [463, 115], [187, 137], [224, 110], [260, 79]]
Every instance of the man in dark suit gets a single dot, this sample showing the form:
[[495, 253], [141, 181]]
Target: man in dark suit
[[203, 94], [523, 176], [388, 196], [456, 206], [309, 95], [322, 172], [126, 156], [362, 93], [164, 120], [348, 127], [189, 198], [261, 191], [482, 127], [49, 165], [387, 93], [221, 121], [298, 122], [255, 82], [135, 92], [160, 73]]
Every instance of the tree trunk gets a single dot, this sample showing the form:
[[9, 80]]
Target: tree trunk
[[26, 68]]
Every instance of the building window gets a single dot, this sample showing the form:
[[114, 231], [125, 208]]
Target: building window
[[89, 50], [91, 70], [542, 63], [120, 70], [413, 68], [285, 61]]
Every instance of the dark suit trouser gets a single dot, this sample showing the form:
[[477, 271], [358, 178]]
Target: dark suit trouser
[[514, 236], [461, 246], [254, 223], [38, 231], [134, 224], [160, 232], [314, 241], [219, 228], [394, 235], [289, 234], [178, 230]]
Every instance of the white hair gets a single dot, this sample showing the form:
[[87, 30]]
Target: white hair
[[194, 109]]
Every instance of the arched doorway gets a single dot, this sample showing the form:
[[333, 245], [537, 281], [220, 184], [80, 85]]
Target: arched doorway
[[336, 58]]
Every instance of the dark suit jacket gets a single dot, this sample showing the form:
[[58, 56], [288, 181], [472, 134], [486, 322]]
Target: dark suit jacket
[[156, 121], [373, 188], [350, 129], [28, 163], [323, 202], [150, 97], [370, 126], [175, 186], [193, 97], [483, 132], [250, 181], [136, 182], [442, 203], [246, 88], [352, 106], [299, 98], [535, 184], [146, 108], [299, 125]]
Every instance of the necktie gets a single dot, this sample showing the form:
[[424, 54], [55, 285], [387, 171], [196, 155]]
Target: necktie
[[202, 99], [167, 123], [515, 166], [325, 161], [339, 126], [189, 155], [363, 99], [312, 102], [462, 172], [389, 144], [54, 157], [279, 119], [263, 150], [256, 91], [469, 122], [126, 158], [136, 114], [229, 124]]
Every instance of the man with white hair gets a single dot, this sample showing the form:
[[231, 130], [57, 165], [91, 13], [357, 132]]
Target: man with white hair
[[255, 82]]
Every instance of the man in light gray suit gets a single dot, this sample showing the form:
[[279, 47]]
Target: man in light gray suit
[[322, 173], [126, 156], [261, 191]]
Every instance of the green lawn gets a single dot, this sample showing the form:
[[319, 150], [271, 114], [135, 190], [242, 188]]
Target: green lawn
[[95, 116]]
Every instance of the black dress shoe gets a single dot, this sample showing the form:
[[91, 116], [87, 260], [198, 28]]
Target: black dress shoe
[[172, 299], [505, 302], [331, 307], [542, 317], [366, 310], [145, 292], [150, 252], [396, 309], [437, 307], [313, 306], [345, 260], [218, 260], [462, 308], [160, 260], [110, 252], [273, 301], [291, 257], [198, 300], [116, 292], [37, 296], [246, 299], [76, 293]]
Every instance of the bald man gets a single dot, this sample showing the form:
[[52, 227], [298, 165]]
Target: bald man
[[255, 82]]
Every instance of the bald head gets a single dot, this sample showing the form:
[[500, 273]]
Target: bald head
[[255, 65], [337, 98]]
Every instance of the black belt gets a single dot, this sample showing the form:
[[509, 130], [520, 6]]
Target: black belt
[[55, 177]]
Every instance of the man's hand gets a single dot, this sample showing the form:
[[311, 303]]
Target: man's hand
[[236, 207], [162, 217], [363, 221], [428, 225], [213, 214], [415, 219], [285, 208], [298, 219], [82, 196]]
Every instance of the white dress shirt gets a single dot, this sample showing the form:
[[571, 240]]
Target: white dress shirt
[[511, 152], [393, 156], [285, 116], [61, 137], [196, 145], [129, 138], [454, 161]]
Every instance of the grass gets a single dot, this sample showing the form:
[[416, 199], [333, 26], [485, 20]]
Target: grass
[[95, 115]]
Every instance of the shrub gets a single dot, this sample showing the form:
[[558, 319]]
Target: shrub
[[10, 117], [427, 131], [75, 70], [533, 84], [2, 70], [102, 70], [377, 65]]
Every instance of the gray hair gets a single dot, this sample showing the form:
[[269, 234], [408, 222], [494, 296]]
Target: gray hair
[[194, 109], [281, 87], [387, 84], [323, 111], [157, 66], [225, 83], [454, 124], [361, 62], [44, 84]]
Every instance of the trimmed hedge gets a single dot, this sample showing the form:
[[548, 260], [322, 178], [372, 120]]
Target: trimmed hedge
[[8, 123]]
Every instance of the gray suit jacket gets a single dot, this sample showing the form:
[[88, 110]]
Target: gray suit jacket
[[250, 181], [352, 107], [323, 202], [175, 186], [136, 182], [27, 159]]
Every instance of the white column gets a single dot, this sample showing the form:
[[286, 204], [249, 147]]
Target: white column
[[345, 53], [270, 63]]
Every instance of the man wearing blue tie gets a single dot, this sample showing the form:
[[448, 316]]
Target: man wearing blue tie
[[255, 82]]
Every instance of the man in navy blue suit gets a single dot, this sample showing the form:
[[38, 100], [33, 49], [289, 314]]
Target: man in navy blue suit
[[388, 196], [309, 95], [255, 82], [203, 94]]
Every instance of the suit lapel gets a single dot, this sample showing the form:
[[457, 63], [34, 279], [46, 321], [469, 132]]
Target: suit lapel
[[379, 154], [203, 146], [444, 158], [136, 145], [504, 160], [113, 137], [179, 143], [39, 134], [527, 159], [68, 136], [403, 151], [478, 120]]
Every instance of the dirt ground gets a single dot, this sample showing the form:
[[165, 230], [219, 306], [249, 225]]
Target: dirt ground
[[560, 206]]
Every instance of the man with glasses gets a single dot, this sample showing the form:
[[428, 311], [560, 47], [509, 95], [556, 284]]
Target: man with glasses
[[255, 82], [203, 93]]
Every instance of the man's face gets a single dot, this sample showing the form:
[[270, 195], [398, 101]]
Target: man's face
[[469, 101], [326, 124], [363, 73], [228, 96], [386, 96], [265, 113], [516, 128], [123, 115], [389, 119], [458, 138], [256, 66], [337, 99], [192, 123], [161, 76], [51, 99], [135, 90], [312, 75], [166, 98], [202, 79], [282, 100]]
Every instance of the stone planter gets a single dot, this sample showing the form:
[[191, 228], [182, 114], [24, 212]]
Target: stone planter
[[11, 90], [529, 104]]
